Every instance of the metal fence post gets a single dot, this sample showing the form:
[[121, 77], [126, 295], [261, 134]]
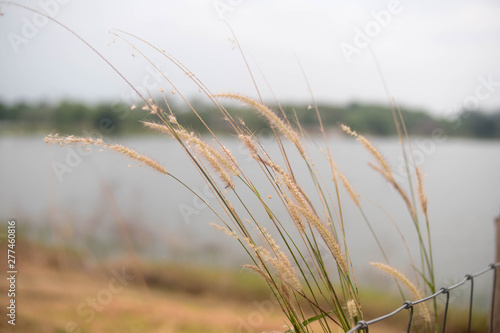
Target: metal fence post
[[495, 311]]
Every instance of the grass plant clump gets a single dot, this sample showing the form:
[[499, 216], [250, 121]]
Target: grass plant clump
[[292, 251]]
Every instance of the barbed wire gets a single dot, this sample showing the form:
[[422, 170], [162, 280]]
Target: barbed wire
[[407, 305]]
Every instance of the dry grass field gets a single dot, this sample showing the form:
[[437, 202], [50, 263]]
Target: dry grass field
[[59, 291]]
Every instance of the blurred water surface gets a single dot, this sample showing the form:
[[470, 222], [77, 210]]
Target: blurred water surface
[[88, 198]]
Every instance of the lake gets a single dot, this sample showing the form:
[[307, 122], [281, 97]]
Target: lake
[[84, 198]]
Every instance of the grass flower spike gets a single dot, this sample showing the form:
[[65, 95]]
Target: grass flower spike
[[68, 140], [272, 118], [408, 284]]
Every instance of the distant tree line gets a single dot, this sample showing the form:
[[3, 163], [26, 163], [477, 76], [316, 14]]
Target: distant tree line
[[72, 117]]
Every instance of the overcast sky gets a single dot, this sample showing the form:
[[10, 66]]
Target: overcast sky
[[435, 55]]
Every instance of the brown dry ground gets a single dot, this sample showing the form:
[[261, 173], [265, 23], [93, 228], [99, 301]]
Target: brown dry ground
[[53, 284]]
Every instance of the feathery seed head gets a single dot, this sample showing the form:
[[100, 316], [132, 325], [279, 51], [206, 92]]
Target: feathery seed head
[[224, 165], [327, 237], [271, 117], [157, 127], [354, 196], [99, 142], [348, 130], [172, 119], [155, 109], [296, 218], [141, 158], [421, 193], [249, 143], [407, 283], [260, 271], [280, 261], [387, 172], [352, 309], [227, 231]]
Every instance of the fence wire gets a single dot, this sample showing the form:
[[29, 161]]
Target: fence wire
[[407, 305]]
